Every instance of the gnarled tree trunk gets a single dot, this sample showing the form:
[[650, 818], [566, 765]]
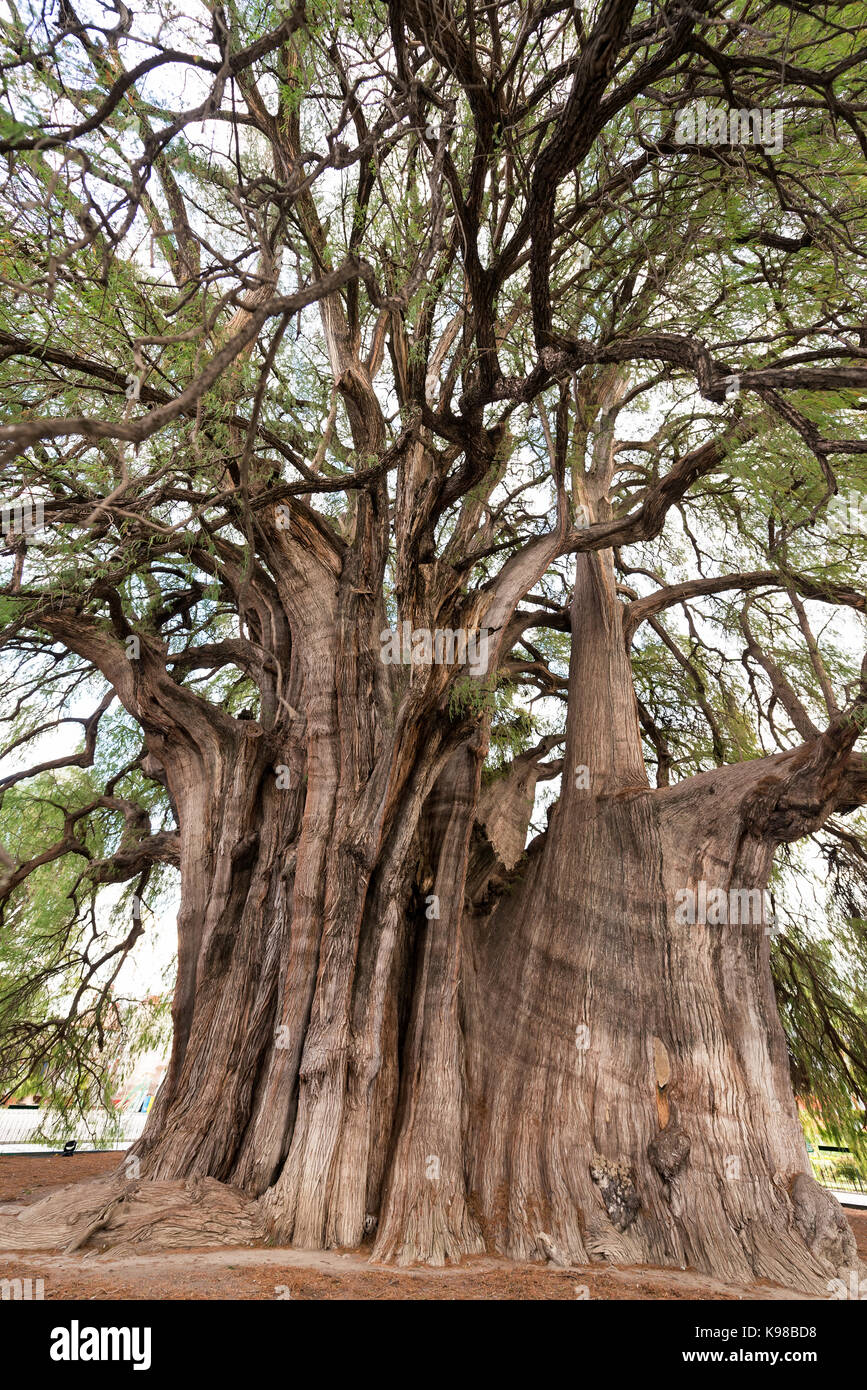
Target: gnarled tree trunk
[[383, 1025], [379, 1026]]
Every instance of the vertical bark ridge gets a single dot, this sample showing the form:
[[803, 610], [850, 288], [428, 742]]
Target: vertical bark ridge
[[203, 1113], [425, 1211]]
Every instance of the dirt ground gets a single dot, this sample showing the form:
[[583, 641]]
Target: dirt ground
[[266, 1274], [27, 1177]]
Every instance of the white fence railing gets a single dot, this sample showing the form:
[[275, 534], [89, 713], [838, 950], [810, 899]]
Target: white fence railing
[[96, 1128]]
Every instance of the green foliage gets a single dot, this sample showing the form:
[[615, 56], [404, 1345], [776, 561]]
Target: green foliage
[[68, 1031], [471, 697], [820, 974]]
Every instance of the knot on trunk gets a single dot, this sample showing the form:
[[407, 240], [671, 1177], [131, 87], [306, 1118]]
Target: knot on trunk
[[616, 1183], [819, 1219], [668, 1152], [244, 850]]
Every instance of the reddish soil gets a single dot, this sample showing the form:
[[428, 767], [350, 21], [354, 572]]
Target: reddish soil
[[27, 1177], [278, 1274]]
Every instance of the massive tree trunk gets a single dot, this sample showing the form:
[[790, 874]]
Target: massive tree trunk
[[386, 1027], [382, 1025]]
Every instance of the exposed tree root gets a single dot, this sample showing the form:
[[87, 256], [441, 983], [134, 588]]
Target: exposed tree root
[[111, 1213]]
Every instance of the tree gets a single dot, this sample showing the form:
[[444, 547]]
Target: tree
[[426, 403]]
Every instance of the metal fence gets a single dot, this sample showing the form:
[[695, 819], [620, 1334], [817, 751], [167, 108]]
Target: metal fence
[[837, 1169], [20, 1129]]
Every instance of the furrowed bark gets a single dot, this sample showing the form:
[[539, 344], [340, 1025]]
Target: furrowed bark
[[426, 1214]]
